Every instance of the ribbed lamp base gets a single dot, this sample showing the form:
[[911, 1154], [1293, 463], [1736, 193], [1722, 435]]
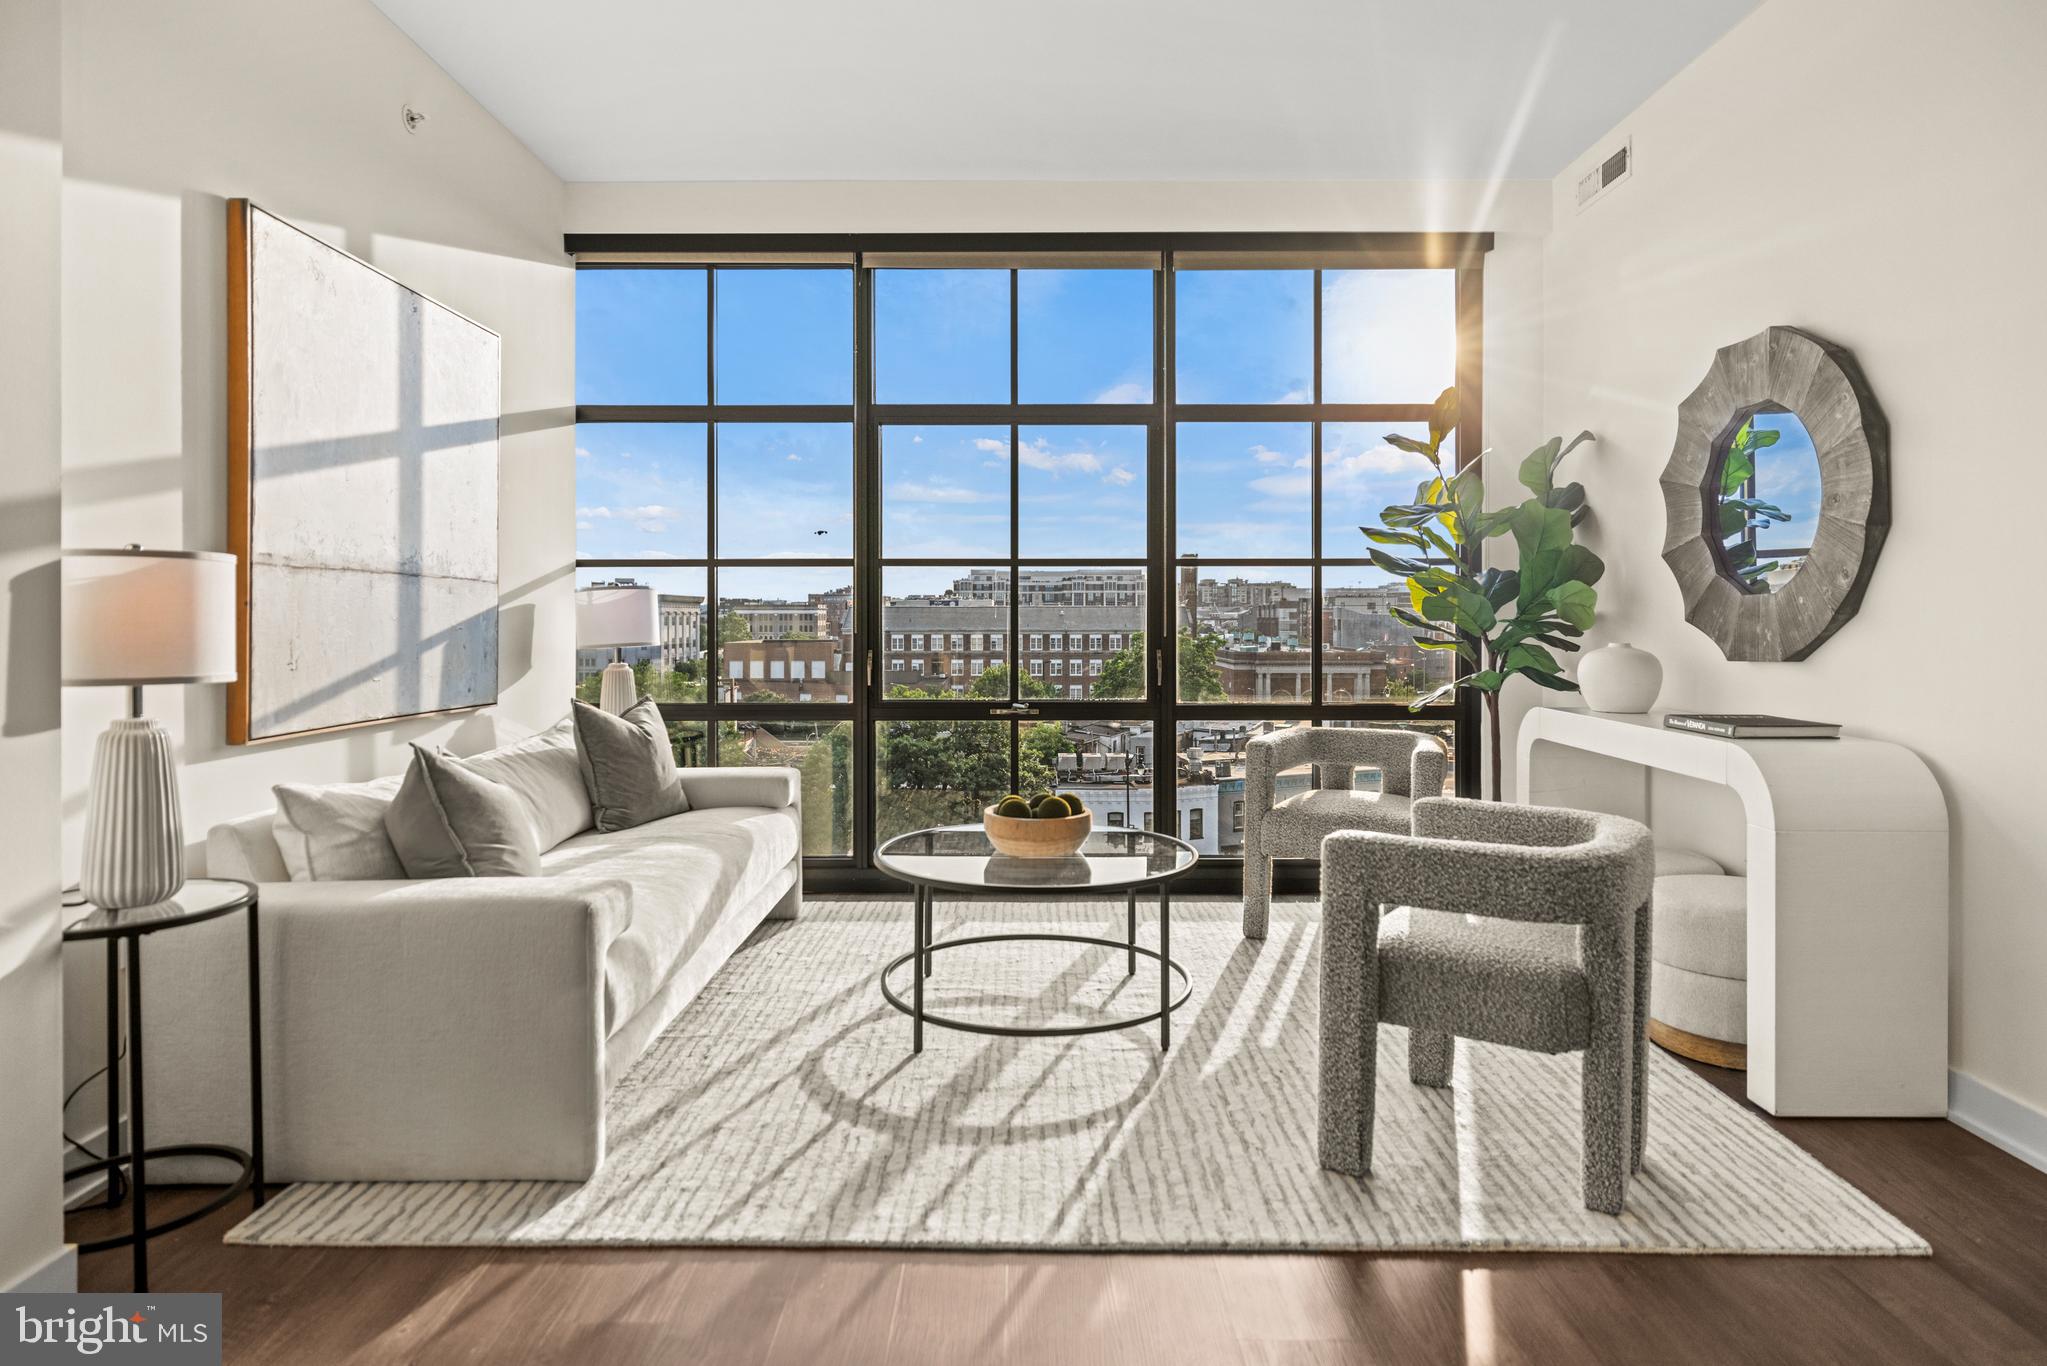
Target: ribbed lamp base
[[134, 829], [616, 691]]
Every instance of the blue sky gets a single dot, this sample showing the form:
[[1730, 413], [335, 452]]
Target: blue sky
[[1788, 474], [943, 336]]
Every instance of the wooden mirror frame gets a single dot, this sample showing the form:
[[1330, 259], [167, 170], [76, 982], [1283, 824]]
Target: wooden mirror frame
[[1820, 384]]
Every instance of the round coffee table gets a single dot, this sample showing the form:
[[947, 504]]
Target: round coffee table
[[960, 858]]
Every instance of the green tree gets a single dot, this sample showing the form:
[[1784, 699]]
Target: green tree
[[994, 685], [1124, 672], [1036, 767], [731, 627]]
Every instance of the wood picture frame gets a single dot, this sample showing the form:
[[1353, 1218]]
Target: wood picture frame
[[363, 430]]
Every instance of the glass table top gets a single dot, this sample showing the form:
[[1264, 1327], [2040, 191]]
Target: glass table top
[[961, 856], [199, 899]]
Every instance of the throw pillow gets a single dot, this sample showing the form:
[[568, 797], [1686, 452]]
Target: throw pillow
[[627, 765], [450, 821], [335, 833], [543, 773]]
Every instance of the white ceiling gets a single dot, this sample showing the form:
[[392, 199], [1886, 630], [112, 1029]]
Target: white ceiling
[[1061, 89]]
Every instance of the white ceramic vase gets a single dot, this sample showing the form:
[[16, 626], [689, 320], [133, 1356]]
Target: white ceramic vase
[[616, 692], [1620, 678], [134, 830]]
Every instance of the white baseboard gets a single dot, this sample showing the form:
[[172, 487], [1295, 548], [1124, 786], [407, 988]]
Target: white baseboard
[[57, 1276], [82, 1190], [1991, 1115]]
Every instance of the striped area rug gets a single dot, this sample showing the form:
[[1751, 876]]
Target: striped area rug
[[784, 1107]]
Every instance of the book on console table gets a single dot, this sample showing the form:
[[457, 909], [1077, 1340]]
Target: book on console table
[[1744, 726]]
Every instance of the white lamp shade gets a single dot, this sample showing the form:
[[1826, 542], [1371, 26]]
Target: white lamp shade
[[607, 618], [148, 616]]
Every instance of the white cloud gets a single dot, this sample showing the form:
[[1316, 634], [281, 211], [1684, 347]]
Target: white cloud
[[1129, 391], [793, 456], [989, 444], [583, 453], [1291, 486], [1265, 455], [936, 493], [652, 518], [916, 441], [1119, 476]]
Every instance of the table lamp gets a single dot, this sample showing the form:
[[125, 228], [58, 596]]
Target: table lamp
[[613, 617], [134, 617]]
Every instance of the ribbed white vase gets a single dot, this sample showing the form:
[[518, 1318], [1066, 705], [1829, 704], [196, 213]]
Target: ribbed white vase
[[134, 830], [616, 690]]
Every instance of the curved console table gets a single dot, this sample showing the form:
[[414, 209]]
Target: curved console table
[[1845, 847]]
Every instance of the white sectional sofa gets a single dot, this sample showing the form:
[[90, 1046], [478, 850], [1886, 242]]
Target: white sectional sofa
[[463, 1028]]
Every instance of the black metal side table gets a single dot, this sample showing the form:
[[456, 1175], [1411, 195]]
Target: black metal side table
[[199, 899]]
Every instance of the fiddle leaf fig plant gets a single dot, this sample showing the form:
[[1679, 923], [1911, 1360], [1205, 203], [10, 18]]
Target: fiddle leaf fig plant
[[1500, 623], [1742, 514]]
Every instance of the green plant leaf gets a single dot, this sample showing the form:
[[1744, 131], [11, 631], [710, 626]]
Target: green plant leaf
[[1410, 445], [1530, 657], [1543, 536], [1385, 537], [1554, 682], [1537, 468], [1393, 564], [1574, 602], [1443, 416], [1433, 695], [1581, 565]]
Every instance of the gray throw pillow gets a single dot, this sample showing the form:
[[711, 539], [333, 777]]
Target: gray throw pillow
[[450, 821], [627, 765]]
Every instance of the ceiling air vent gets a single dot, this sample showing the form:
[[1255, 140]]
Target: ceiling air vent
[[1615, 167]]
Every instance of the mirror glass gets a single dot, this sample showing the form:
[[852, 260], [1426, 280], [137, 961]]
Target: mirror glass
[[1763, 498]]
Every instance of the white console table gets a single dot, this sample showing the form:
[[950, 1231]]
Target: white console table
[[1845, 847]]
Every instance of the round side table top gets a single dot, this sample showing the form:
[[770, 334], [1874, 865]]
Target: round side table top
[[962, 858], [202, 898]]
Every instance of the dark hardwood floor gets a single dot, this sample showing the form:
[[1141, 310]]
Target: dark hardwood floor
[[1981, 1298]]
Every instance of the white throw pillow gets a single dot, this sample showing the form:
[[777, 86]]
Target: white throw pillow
[[543, 773], [336, 833]]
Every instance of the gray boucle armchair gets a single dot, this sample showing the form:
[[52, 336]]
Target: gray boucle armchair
[[1537, 937], [1411, 763]]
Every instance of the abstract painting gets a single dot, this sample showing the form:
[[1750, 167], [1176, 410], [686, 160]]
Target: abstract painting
[[362, 489]]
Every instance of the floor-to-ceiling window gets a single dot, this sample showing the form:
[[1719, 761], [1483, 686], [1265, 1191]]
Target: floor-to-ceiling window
[[935, 526]]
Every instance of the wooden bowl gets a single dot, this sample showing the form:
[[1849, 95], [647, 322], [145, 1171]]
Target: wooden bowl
[[1029, 837]]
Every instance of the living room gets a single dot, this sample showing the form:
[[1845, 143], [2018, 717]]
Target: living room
[[932, 683]]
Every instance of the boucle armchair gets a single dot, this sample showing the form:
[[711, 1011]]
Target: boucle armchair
[[1538, 938], [1410, 763]]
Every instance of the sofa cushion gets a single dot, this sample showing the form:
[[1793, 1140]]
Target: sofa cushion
[[1675, 862], [335, 833], [450, 821], [682, 872], [543, 773], [1506, 981], [1296, 827], [627, 764], [1701, 925]]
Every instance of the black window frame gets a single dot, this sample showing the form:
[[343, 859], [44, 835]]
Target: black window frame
[[1462, 252]]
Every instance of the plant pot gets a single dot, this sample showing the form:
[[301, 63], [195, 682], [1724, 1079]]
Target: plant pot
[[1029, 837], [1620, 678]]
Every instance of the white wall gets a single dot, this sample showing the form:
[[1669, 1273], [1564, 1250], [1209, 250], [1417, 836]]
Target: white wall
[[171, 110], [31, 171], [1868, 170]]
